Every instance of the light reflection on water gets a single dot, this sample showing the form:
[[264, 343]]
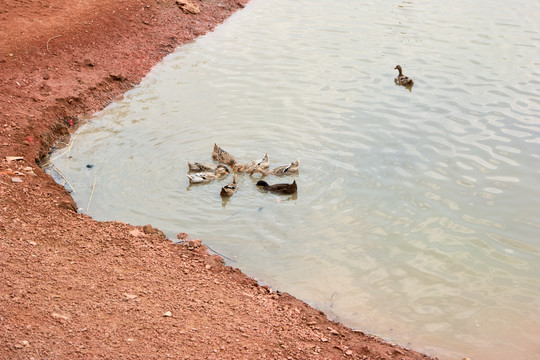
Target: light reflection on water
[[417, 216]]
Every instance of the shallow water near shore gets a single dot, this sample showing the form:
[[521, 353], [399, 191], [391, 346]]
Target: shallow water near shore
[[418, 212]]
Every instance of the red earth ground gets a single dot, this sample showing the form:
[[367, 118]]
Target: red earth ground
[[74, 288]]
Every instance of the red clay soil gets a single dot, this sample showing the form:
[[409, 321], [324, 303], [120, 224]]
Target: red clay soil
[[74, 288]]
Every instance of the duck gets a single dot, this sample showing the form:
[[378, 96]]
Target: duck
[[222, 156], [263, 163], [278, 188], [281, 170], [402, 79], [204, 177], [229, 189], [200, 167]]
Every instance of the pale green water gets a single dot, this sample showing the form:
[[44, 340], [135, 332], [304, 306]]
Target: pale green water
[[418, 213]]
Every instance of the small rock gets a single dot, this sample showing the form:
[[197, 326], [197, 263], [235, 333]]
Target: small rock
[[33, 243], [60, 316], [89, 166], [129, 296], [182, 236], [215, 261], [195, 243], [148, 229], [89, 63], [135, 233], [188, 7], [14, 158], [29, 171], [348, 352], [16, 180], [167, 314]]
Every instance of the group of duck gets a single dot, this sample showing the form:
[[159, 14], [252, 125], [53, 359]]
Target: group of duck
[[199, 173]]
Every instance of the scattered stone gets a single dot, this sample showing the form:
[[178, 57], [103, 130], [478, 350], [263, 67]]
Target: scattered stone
[[129, 296], [148, 229], [33, 243], [60, 316], [348, 352], [182, 236], [16, 180], [195, 243], [14, 158], [215, 261], [136, 233], [89, 166], [89, 63], [188, 7], [333, 331], [167, 314], [29, 171]]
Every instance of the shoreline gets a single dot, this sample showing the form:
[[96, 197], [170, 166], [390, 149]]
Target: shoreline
[[73, 287]]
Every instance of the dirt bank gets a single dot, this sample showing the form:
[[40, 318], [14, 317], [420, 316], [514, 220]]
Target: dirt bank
[[74, 288]]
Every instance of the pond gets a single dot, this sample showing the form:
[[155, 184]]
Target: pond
[[417, 216]]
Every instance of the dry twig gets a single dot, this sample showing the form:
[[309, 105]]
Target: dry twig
[[54, 37], [91, 194], [63, 177]]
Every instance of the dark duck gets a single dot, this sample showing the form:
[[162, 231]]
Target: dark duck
[[278, 188]]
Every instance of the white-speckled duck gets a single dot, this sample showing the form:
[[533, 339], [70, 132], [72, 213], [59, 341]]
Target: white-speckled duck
[[281, 170], [204, 177]]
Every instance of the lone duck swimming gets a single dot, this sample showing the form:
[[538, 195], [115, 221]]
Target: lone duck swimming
[[402, 79]]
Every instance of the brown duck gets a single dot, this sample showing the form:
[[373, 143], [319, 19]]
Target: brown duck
[[222, 156], [263, 163], [229, 189], [278, 188], [402, 79]]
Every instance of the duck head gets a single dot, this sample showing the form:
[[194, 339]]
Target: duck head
[[222, 170]]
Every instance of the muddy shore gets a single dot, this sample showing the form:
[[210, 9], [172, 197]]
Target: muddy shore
[[74, 288]]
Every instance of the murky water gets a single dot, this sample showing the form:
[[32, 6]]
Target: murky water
[[418, 212]]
